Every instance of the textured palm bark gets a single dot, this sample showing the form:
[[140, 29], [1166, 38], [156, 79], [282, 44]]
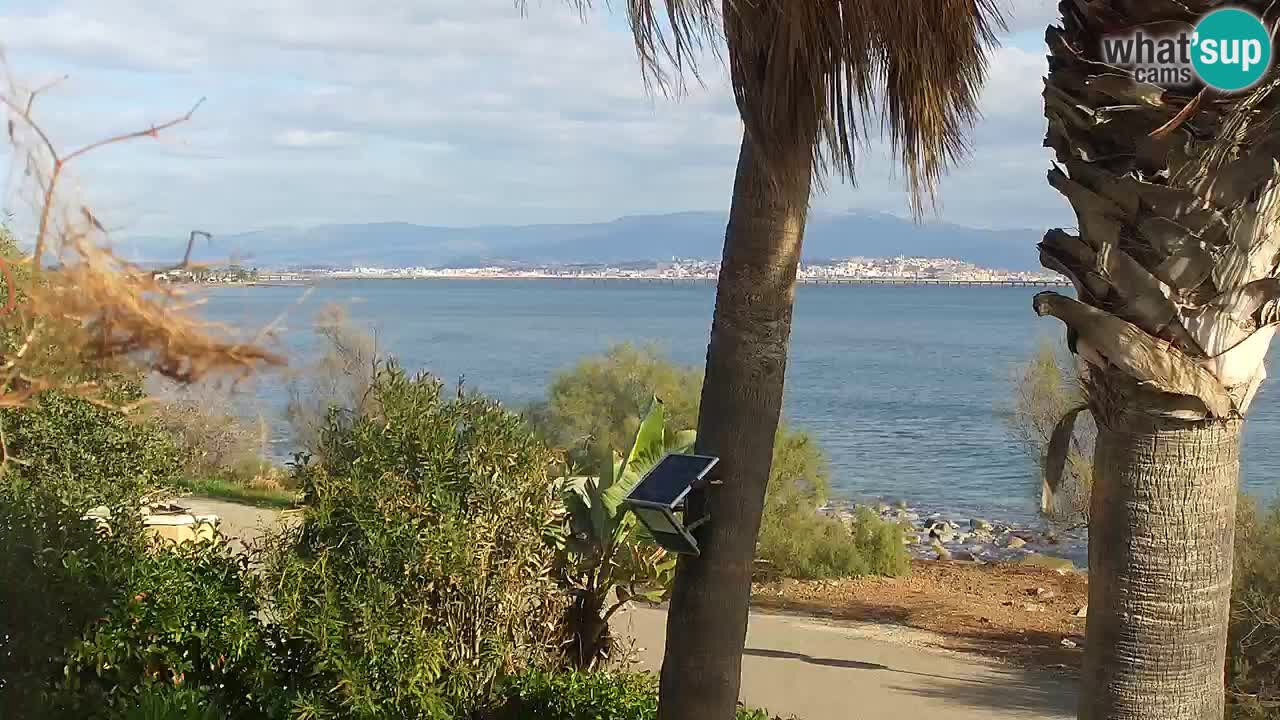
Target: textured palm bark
[[1161, 530], [741, 403], [1177, 196]]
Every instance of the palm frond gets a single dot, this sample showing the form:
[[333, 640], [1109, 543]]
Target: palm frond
[[811, 77]]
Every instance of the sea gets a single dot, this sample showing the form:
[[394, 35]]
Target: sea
[[906, 388]]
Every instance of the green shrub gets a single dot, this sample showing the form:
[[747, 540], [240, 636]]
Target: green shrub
[[586, 696], [601, 400], [421, 571], [599, 403], [1253, 663], [800, 476], [802, 544], [798, 542], [1044, 390], [97, 624], [169, 702], [85, 454], [579, 696], [60, 574], [184, 616]]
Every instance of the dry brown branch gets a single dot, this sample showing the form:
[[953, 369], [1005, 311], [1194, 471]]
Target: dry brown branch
[[93, 312]]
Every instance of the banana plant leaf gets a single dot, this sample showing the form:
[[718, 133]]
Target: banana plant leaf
[[683, 441], [647, 449], [595, 503]]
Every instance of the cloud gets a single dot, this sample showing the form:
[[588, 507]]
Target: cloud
[[1031, 15], [312, 139], [1014, 83], [434, 111], [84, 37]]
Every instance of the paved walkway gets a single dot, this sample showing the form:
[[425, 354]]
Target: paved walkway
[[238, 523], [821, 671]]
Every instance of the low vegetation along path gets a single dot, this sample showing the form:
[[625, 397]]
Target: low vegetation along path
[[823, 670]]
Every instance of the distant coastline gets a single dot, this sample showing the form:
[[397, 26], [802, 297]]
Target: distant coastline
[[848, 271], [881, 280]]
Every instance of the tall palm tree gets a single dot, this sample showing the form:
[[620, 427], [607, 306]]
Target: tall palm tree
[[807, 76], [1174, 266]]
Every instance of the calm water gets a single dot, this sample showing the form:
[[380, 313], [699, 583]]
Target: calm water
[[905, 387]]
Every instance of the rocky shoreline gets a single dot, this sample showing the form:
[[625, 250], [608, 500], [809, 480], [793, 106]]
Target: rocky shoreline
[[938, 535]]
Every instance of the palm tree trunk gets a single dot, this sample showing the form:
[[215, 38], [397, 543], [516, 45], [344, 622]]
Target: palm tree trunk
[[1160, 541], [741, 404], [1177, 198]]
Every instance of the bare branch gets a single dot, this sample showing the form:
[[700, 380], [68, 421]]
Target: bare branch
[[59, 162], [191, 243], [152, 131], [25, 114], [31, 99]]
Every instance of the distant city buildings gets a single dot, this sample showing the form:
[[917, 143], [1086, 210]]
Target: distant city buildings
[[228, 276], [900, 268], [908, 269], [916, 268]]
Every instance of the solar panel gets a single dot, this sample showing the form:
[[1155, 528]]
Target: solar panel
[[682, 544], [666, 530], [670, 480]]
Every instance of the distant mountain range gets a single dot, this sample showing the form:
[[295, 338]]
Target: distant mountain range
[[633, 238]]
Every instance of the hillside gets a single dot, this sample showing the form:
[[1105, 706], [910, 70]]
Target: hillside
[[640, 237]]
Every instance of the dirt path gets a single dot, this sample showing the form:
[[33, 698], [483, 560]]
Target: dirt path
[[1028, 615]]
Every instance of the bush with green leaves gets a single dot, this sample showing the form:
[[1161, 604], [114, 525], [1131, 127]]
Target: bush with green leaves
[[586, 696], [94, 621], [60, 574], [1046, 389], [805, 545], [169, 702], [87, 454], [599, 403], [185, 616], [422, 570], [1253, 661]]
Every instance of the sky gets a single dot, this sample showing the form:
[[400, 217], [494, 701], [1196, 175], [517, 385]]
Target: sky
[[439, 112]]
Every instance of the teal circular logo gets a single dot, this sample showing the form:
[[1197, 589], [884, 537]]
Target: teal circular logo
[[1231, 49]]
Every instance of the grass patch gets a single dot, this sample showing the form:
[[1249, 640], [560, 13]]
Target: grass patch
[[233, 491]]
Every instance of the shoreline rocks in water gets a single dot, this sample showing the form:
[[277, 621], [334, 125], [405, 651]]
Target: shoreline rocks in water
[[948, 536]]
